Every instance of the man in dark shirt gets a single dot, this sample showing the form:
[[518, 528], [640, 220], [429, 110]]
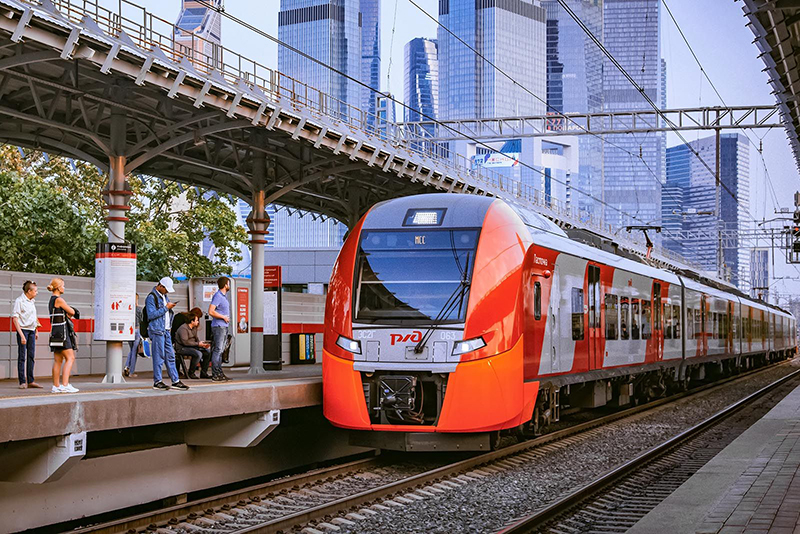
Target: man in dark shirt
[[188, 344]]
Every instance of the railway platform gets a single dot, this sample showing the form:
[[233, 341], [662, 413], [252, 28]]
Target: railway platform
[[751, 487], [136, 446]]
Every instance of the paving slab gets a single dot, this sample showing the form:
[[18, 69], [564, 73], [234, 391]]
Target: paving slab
[[745, 486]]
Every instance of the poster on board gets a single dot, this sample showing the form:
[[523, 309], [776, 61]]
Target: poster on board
[[270, 313], [242, 310]]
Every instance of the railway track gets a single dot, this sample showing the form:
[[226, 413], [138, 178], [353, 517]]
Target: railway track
[[343, 497], [617, 500]]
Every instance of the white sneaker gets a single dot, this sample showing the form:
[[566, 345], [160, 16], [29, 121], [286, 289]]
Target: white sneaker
[[69, 389], [57, 389]]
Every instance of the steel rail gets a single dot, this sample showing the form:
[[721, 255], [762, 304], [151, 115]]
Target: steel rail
[[448, 471], [201, 505], [231, 498], [540, 518]]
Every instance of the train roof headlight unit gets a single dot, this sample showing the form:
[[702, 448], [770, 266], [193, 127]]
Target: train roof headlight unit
[[424, 217], [468, 345], [349, 345]]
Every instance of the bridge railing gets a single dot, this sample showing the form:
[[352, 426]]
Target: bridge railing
[[148, 32]]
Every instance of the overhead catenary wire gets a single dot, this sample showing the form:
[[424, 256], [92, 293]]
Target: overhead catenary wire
[[291, 48], [704, 73], [551, 108], [642, 92]]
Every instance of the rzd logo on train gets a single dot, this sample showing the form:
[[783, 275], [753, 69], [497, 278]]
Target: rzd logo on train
[[414, 337]]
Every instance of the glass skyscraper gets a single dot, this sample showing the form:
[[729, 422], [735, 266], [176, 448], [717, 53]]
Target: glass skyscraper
[[575, 85], [634, 173], [370, 54], [329, 31], [421, 81], [702, 209], [199, 32], [510, 34]]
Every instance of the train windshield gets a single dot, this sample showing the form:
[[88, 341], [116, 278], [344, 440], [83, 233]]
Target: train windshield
[[413, 276]]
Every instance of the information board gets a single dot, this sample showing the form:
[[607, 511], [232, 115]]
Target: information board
[[115, 292]]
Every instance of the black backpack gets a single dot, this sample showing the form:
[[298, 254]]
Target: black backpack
[[144, 324]]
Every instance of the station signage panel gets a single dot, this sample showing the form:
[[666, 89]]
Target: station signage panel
[[115, 292], [272, 276]]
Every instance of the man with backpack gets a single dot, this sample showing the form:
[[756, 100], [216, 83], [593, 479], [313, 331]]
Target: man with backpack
[[156, 321]]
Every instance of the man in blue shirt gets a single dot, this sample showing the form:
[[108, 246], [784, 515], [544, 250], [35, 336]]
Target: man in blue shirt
[[159, 315], [220, 312]]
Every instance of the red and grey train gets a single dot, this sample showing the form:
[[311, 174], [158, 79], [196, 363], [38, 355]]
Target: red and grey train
[[450, 318]]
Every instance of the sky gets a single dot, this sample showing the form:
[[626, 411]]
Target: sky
[[715, 29]]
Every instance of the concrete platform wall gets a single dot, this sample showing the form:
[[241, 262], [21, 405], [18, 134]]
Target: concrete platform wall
[[98, 485], [298, 308]]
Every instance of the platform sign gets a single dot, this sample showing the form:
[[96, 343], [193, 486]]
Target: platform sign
[[242, 310], [273, 348], [272, 276], [115, 292]]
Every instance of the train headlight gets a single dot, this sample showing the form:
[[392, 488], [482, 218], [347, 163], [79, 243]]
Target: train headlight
[[468, 345], [350, 345]]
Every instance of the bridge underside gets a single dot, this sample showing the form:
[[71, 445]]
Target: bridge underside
[[776, 27], [66, 106]]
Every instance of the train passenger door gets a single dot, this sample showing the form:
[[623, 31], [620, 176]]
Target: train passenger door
[[595, 331], [658, 323]]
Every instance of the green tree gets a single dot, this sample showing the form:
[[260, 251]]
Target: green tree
[[51, 216]]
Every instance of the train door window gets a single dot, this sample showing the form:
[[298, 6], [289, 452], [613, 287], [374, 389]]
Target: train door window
[[537, 301], [667, 321], [703, 316], [635, 319], [594, 296], [646, 319], [698, 324], [676, 322], [689, 323], [624, 318], [612, 316], [577, 313], [715, 325], [657, 305]]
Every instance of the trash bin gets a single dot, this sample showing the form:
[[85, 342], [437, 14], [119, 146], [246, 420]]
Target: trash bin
[[302, 348]]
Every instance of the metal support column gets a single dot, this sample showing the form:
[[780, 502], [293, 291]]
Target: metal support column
[[718, 210], [258, 223], [118, 205]]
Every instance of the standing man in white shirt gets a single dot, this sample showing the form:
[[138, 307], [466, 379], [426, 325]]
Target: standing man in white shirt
[[26, 324]]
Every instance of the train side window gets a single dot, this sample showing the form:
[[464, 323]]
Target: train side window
[[577, 313], [676, 321], [646, 319], [635, 319], [624, 318], [537, 301], [612, 316], [667, 321]]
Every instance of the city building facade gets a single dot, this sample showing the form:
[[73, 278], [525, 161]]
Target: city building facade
[[633, 165], [198, 32], [759, 273], [692, 197], [331, 32], [511, 35], [421, 80], [575, 85], [370, 20]]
